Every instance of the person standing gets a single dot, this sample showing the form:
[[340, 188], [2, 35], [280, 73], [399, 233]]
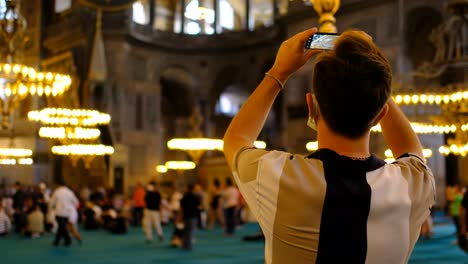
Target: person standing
[[463, 237], [455, 207], [138, 204], [230, 203], [19, 215], [190, 206], [215, 212], [63, 202], [151, 215], [341, 203], [174, 201], [72, 225]]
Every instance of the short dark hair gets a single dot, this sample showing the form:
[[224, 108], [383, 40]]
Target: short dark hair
[[352, 83]]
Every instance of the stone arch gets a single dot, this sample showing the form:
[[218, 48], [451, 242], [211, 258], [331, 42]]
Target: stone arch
[[419, 23], [228, 80], [177, 93]]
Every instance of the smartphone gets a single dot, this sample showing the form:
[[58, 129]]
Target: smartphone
[[322, 41]]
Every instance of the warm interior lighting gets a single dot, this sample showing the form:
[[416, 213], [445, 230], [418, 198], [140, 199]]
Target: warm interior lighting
[[161, 169], [15, 152], [14, 156], [312, 146], [180, 165], [69, 133], [22, 161], [455, 149], [83, 150], [260, 144], [389, 155], [69, 117], [203, 144], [21, 80], [422, 128], [195, 144], [432, 98]]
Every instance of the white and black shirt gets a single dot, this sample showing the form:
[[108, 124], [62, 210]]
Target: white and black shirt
[[328, 208]]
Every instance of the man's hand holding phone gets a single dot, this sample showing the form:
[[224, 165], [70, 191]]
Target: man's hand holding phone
[[291, 55]]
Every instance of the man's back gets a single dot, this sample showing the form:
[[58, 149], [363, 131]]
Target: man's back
[[327, 208], [341, 204], [190, 204], [153, 200], [64, 201]]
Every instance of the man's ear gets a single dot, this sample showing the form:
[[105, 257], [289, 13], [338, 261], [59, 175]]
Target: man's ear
[[382, 113], [310, 104]]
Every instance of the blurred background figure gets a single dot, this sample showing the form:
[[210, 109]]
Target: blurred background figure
[[201, 217], [138, 204], [19, 216], [174, 201], [455, 205], [5, 223], [64, 202], [215, 212], [230, 204], [35, 222], [190, 206], [151, 215]]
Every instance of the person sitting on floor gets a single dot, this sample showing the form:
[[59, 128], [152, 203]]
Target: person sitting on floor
[[5, 223], [35, 223], [91, 216]]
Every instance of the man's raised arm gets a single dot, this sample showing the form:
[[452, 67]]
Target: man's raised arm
[[247, 124], [398, 132]]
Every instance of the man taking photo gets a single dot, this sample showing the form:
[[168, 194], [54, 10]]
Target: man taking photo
[[340, 204]]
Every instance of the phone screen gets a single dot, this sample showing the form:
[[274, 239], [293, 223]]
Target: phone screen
[[322, 41]]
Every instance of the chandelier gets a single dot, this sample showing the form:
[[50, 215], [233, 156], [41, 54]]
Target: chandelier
[[196, 145], [73, 117], [180, 165], [74, 128], [427, 153], [17, 81], [69, 124], [83, 150], [425, 128], [69, 133], [203, 144], [15, 156]]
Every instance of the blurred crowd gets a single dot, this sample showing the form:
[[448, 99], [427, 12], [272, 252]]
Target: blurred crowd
[[35, 210]]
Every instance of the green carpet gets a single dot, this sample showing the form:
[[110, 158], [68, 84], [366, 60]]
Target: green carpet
[[211, 247]]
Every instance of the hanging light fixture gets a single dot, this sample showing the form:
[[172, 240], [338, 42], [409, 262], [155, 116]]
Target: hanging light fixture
[[17, 81], [69, 124], [15, 156], [70, 133], [180, 165], [83, 150], [69, 117], [425, 128]]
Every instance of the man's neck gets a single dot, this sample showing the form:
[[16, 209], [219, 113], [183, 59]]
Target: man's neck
[[353, 148]]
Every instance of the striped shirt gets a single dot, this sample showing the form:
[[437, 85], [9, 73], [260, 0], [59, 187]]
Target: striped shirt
[[5, 224], [328, 208]]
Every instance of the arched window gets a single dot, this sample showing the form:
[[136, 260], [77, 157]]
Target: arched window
[[60, 5], [141, 12], [230, 101], [261, 14], [207, 16], [199, 18]]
